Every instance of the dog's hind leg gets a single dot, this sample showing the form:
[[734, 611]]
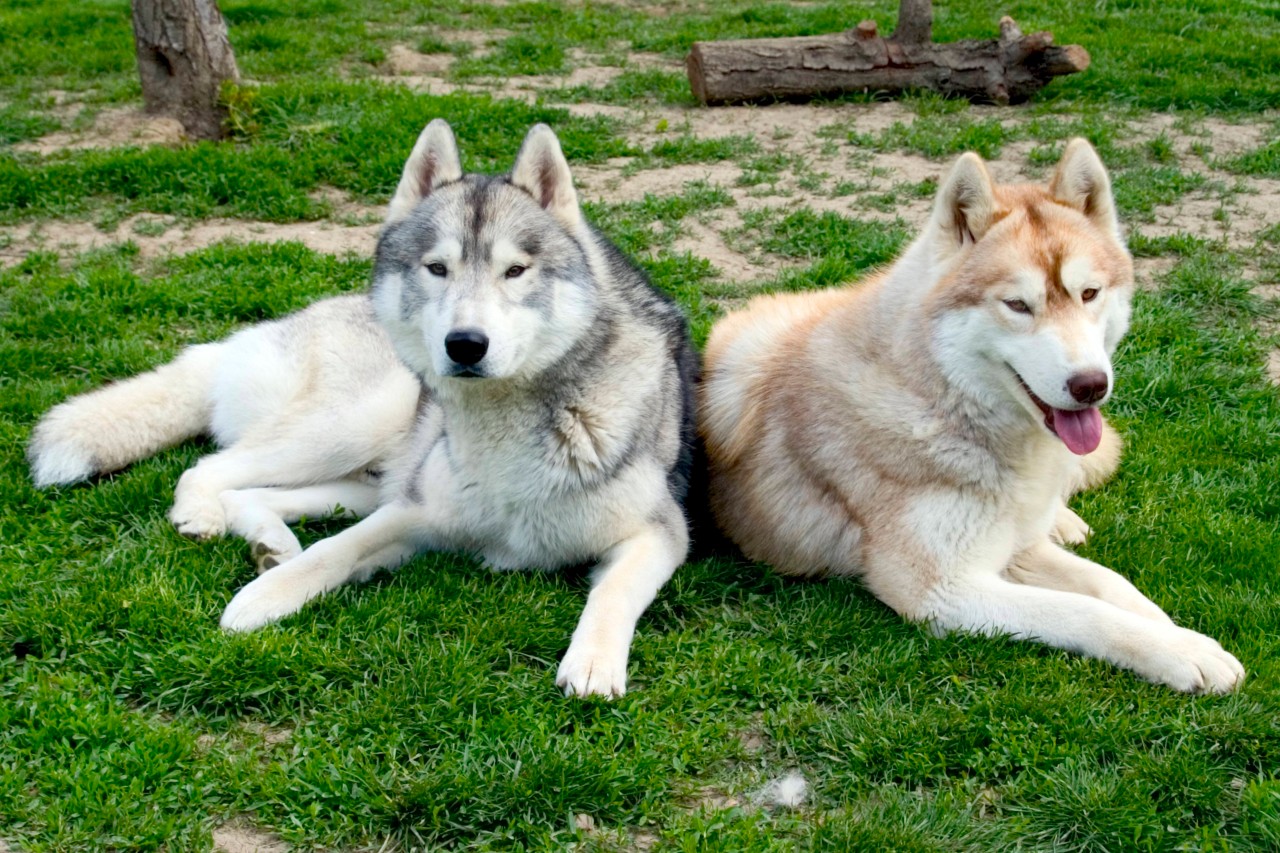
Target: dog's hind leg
[[625, 584], [1046, 565], [386, 538], [298, 457], [262, 516]]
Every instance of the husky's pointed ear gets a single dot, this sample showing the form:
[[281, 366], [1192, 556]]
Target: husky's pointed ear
[[1081, 181], [966, 204], [434, 162], [542, 171]]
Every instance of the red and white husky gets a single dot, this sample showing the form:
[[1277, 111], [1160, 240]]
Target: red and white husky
[[921, 430]]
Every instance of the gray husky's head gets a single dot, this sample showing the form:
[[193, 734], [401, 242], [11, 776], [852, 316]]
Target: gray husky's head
[[484, 277]]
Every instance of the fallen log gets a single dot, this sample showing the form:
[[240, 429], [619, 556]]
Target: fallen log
[[1005, 70]]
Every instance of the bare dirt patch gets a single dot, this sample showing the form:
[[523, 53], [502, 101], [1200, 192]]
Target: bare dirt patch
[[402, 59], [1222, 138], [704, 242], [112, 128], [239, 836], [610, 183], [1237, 219], [17, 242]]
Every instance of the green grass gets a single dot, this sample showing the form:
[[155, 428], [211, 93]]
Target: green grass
[[1261, 162], [297, 138], [420, 709]]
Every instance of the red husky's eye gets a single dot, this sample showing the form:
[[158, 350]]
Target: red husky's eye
[[1089, 295], [1017, 306]]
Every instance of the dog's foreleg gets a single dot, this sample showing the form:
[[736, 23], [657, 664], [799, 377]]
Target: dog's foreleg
[[1068, 528], [1049, 566], [1159, 652], [384, 539], [262, 516], [625, 584]]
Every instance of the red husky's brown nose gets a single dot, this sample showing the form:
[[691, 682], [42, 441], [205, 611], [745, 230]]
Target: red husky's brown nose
[[1088, 387]]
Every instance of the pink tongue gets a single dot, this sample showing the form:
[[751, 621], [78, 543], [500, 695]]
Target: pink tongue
[[1080, 431]]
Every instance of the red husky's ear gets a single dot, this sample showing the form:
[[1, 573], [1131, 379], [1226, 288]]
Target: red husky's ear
[[434, 162], [1081, 181], [542, 171], [966, 204]]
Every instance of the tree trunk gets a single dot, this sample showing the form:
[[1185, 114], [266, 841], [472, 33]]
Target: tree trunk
[[183, 59], [1005, 70], [915, 22]]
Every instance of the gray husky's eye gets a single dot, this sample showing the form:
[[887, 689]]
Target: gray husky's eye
[[1017, 306], [437, 269], [515, 271]]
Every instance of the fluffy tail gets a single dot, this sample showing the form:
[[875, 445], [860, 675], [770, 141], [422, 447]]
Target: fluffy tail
[[121, 423]]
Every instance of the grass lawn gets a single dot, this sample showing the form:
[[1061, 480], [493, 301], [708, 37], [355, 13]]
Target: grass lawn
[[419, 711]]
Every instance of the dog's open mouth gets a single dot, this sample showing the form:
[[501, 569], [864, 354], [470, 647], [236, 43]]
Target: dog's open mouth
[[1079, 429]]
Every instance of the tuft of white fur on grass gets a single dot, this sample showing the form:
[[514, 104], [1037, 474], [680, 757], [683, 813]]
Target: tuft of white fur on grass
[[787, 791]]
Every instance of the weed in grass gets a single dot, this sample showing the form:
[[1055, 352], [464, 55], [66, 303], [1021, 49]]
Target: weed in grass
[[1262, 162], [1160, 150], [839, 248], [18, 124], [514, 56], [940, 136], [687, 148], [150, 227], [633, 87], [1139, 191]]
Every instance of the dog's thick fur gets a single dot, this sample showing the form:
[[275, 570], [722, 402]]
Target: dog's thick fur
[[917, 430], [513, 387]]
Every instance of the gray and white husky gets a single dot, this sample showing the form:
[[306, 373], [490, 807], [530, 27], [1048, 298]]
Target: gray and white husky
[[512, 387]]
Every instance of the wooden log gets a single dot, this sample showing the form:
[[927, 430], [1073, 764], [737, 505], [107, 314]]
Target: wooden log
[[1005, 70], [183, 59]]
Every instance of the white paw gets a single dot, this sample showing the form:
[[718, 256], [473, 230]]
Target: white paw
[[270, 598], [1069, 528], [589, 670], [1194, 663], [199, 519]]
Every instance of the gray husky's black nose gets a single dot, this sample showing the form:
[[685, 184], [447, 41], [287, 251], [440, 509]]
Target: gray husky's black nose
[[1089, 387], [466, 346]]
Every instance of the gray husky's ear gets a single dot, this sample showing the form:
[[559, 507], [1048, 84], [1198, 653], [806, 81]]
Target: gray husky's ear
[[966, 203], [1081, 181], [542, 171], [434, 162]]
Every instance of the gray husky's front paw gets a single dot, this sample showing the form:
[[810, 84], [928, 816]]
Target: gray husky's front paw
[[592, 671], [199, 520], [273, 596]]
